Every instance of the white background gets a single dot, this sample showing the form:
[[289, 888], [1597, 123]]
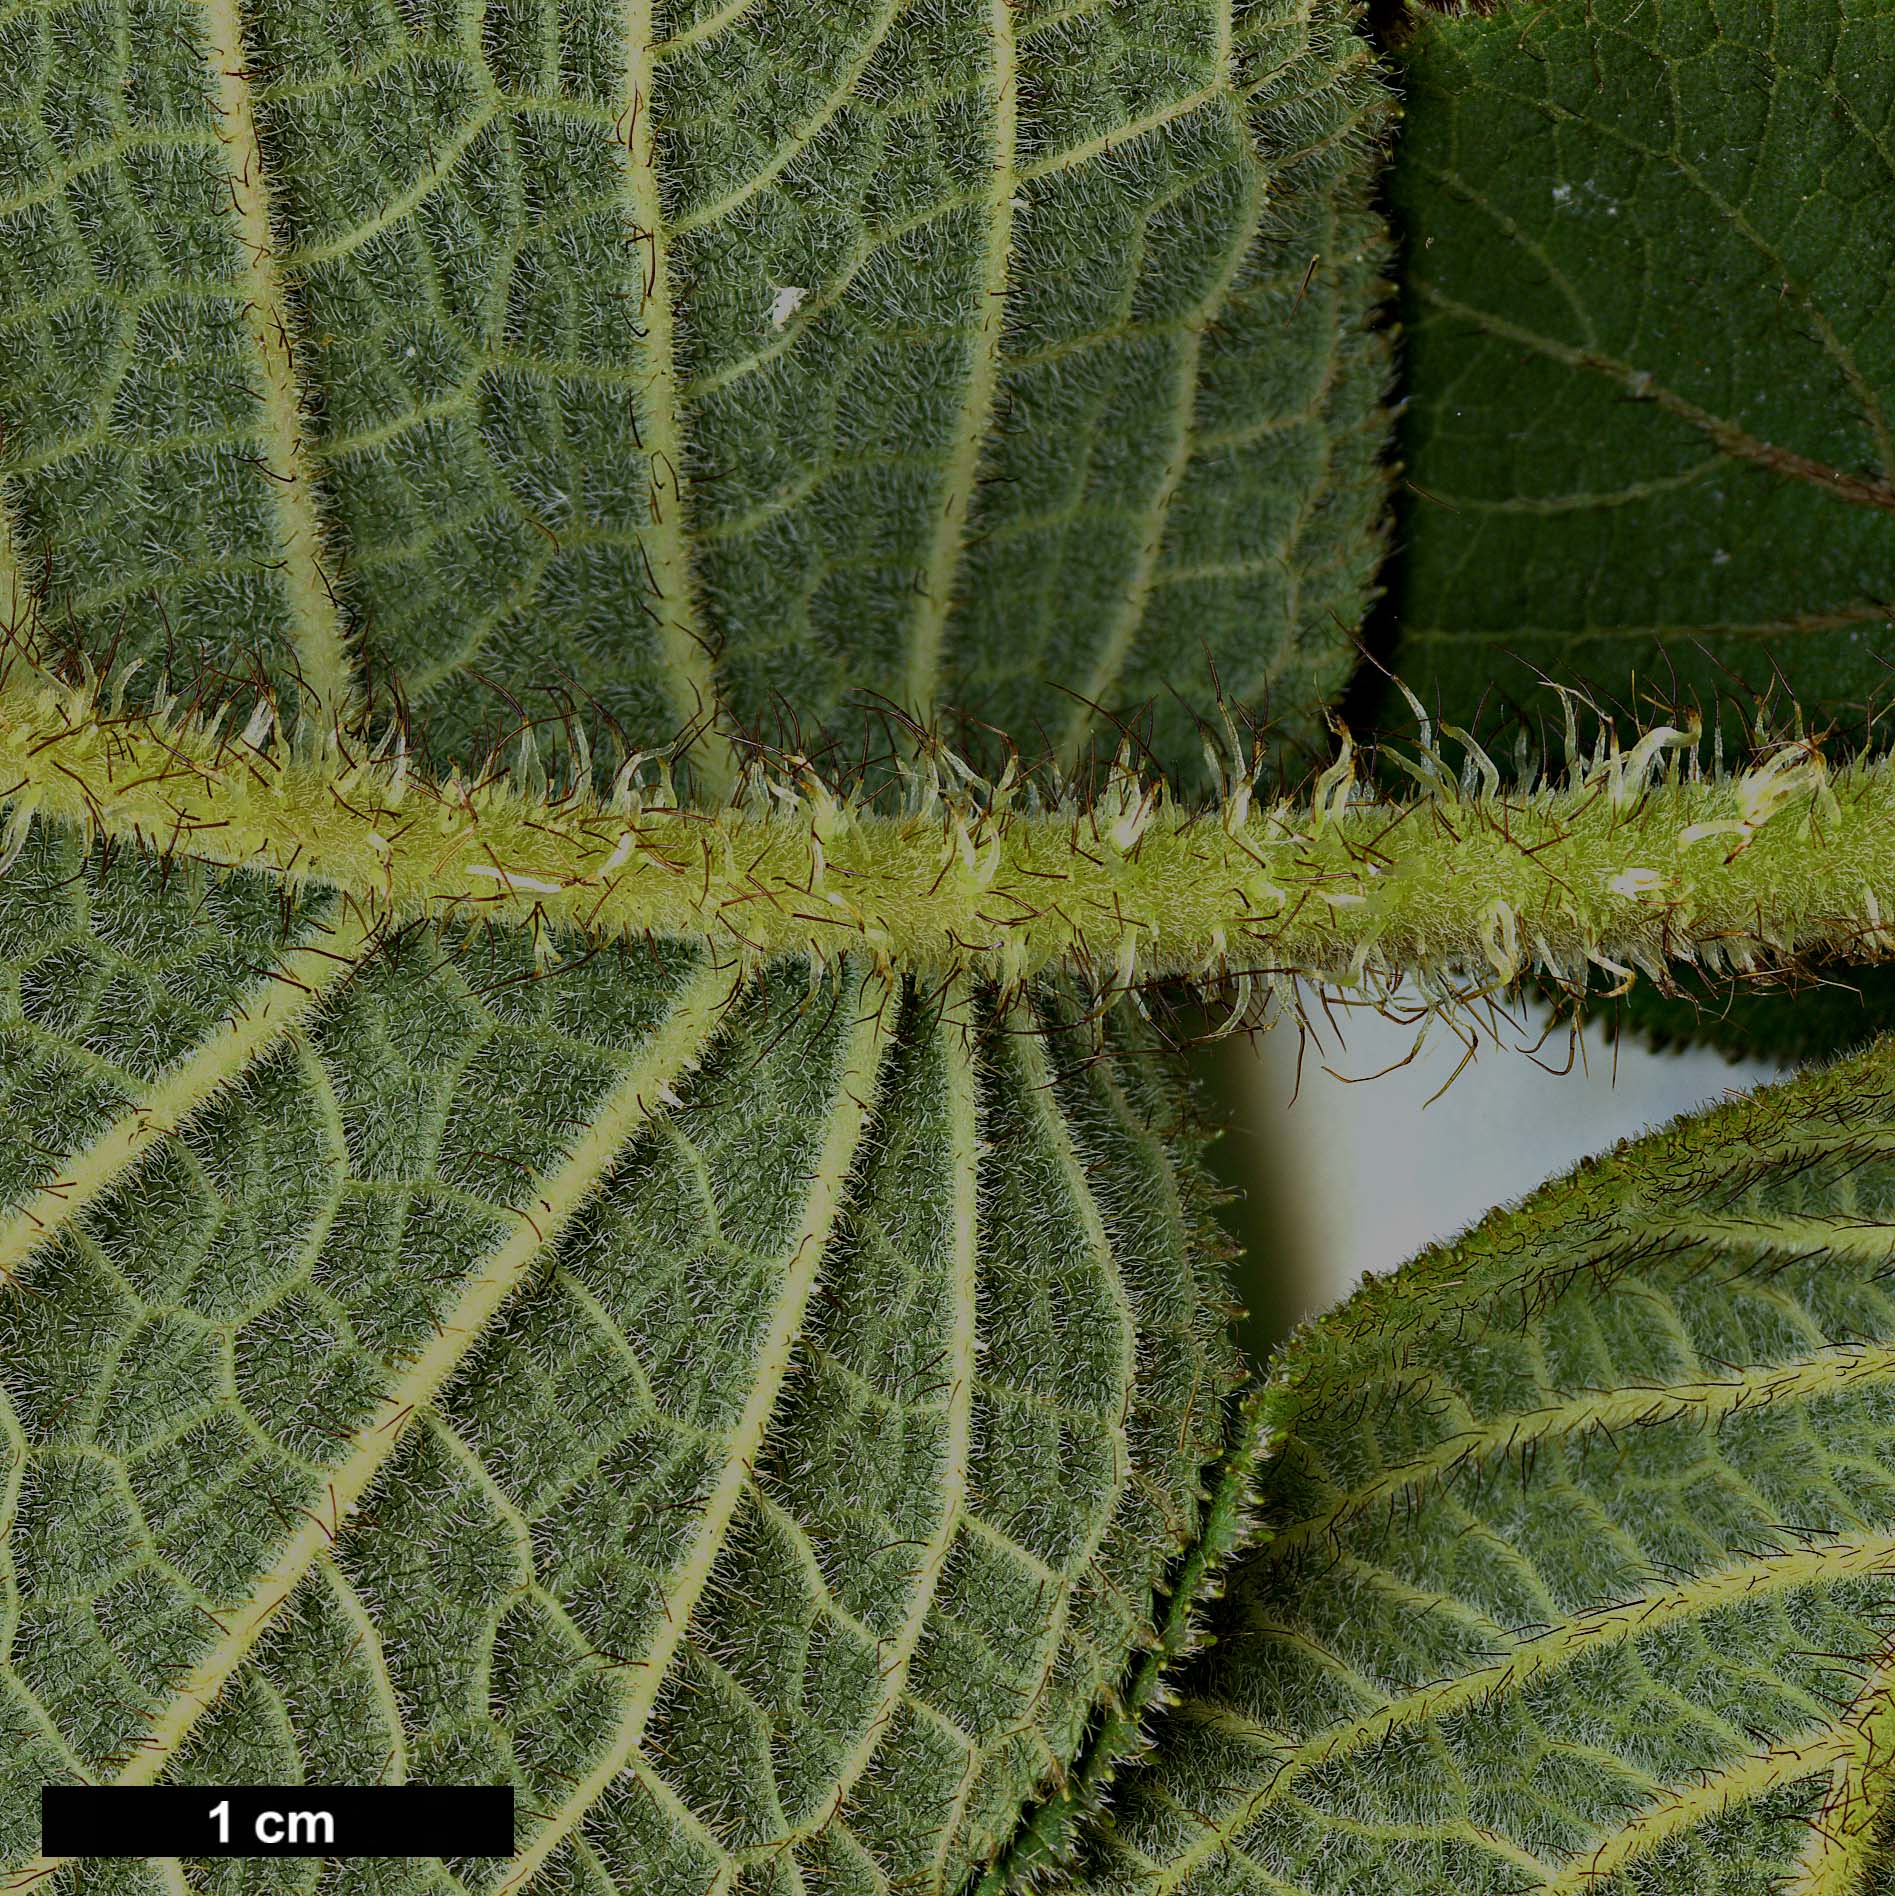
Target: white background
[[1359, 1177]]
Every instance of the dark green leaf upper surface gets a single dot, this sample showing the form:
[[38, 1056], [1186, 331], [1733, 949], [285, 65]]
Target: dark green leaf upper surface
[[1650, 337], [1839, 1008], [1583, 1550], [672, 359]]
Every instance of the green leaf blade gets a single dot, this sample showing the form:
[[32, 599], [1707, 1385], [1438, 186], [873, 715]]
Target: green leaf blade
[[1228, 399], [757, 1418], [1582, 1536], [715, 1411], [1648, 436], [660, 369]]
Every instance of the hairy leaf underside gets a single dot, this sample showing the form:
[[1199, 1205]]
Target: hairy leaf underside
[[1583, 1551], [661, 361], [753, 1428], [755, 1412], [776, 1414]]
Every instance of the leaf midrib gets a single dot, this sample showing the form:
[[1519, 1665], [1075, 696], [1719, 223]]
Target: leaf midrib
[[690, 676]]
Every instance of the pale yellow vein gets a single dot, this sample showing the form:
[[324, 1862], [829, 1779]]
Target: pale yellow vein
[[299, 980], [316, 623], [958, 1370], [405, 202], [16, 597], [686, 646], [846, 1123], [719, 21], [1122, 632], [1741, 1782], [1037, 1092], [1821, 1563], [1842, 1847], [1825, 1372], [13, 1466], [643, 1091], [801, 135], [983, 381], [375, 1659], [1102, 144]]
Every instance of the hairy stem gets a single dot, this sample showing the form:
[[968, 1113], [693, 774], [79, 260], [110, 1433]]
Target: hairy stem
[[1636, 860]]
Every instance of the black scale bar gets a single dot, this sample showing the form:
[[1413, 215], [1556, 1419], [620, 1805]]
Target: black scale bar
[[276, 1820]]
